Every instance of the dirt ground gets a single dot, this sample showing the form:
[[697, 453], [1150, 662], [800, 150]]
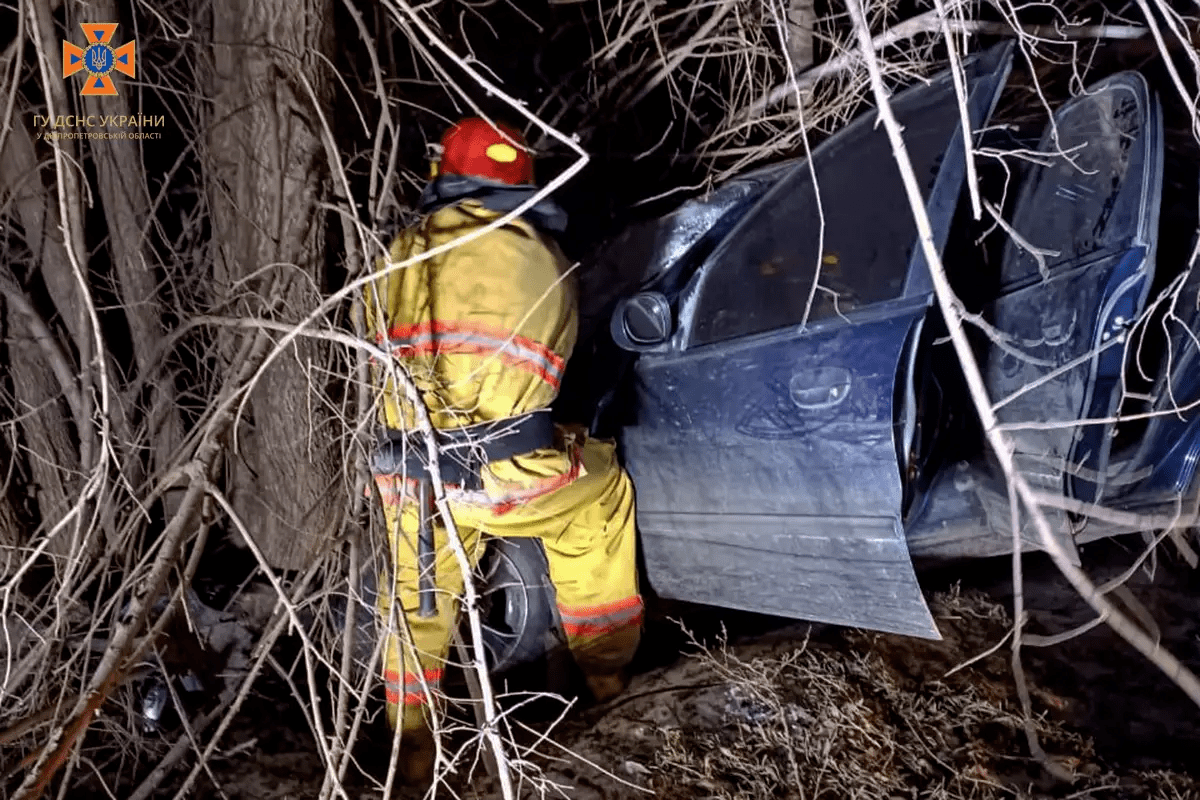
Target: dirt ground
[[743, 706], [851, 714]]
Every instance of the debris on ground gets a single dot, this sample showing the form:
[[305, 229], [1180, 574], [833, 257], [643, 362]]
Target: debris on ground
[[851, 715]]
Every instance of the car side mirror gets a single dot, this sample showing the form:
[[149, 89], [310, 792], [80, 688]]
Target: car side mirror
[[642, 322]]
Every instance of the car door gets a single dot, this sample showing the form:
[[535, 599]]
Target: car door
[[765, 448], [1091, 211]]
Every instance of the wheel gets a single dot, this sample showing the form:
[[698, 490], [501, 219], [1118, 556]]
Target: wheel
[[520, 624], [520, 621]]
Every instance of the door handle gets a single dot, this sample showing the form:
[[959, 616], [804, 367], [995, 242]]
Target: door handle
[[821, 387]]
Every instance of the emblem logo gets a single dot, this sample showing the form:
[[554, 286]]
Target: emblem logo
[[100, 59]]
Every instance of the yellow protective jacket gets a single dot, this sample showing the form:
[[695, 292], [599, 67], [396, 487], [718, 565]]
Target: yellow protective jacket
[[484, 329]]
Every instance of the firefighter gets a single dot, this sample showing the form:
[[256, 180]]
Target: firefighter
[[485, 329]]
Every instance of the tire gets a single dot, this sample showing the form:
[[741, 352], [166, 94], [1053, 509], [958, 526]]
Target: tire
[[519, 615]]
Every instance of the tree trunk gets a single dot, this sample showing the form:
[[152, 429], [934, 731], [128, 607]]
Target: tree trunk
[[45, 444], [801, 19], [124, 196], [265, 145]]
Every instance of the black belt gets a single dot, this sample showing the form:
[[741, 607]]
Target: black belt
[[463, 451]]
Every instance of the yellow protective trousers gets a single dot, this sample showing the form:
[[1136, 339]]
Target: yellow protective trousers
[[587, 528]]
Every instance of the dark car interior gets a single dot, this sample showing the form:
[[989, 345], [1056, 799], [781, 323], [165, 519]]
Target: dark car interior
[[947, 427]]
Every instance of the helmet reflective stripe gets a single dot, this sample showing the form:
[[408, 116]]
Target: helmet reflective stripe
[[502, 152]]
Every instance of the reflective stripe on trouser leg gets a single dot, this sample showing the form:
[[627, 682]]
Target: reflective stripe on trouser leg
[[405, 681], [588, 531], [593, 565], [410, 688]]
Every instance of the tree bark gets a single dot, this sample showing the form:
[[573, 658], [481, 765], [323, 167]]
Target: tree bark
[[265, 145], [121, 186], [24, 190], [46, 444], [801, 20]]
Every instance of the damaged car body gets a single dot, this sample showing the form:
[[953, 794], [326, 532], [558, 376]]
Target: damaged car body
[[796, 423]]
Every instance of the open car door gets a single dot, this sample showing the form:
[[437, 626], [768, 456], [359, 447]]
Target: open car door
[[1091, 212], [765, 449]]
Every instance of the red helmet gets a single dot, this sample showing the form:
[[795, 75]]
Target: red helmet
[[485, 150]]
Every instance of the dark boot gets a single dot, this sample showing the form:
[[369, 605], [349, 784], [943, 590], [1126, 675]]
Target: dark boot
[[606, 685], [417, 757]]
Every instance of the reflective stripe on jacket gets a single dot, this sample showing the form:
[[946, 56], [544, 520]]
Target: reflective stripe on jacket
[[484, 329], [463, 338], [410, 691]]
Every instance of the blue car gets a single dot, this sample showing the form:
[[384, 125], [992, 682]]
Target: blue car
[[792, 417]]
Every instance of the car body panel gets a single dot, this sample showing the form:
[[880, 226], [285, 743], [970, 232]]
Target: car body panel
[[764, 449], [1059, 350], [1163, 470], [745, 494]]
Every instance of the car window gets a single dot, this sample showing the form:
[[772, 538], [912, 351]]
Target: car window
[[762, 276], [1078, 204]]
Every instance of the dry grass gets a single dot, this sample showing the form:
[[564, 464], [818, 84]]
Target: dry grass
[[861, 716]]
